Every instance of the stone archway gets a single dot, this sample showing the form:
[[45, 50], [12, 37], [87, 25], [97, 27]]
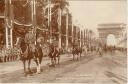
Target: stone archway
[[107, 29], [111, 40]]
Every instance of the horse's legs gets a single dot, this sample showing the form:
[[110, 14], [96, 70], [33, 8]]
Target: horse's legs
[[24, 64], [29, 63], [73, 56], [78, 56], [7, 58], [58, 59], [37, 63], [40, 60], [38, 66], [52, 61]]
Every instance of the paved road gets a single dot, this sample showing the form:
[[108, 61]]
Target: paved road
[[91, 69]]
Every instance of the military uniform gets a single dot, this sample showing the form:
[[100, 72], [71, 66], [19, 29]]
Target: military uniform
[[30, 38]]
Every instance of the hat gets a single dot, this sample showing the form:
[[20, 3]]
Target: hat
[[40, 39]]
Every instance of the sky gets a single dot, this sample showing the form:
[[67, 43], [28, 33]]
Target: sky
[[91, 13]]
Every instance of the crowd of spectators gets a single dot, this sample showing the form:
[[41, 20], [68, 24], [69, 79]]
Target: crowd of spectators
[[9, 54]]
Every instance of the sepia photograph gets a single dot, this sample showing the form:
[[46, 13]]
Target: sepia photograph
[[63, 41]]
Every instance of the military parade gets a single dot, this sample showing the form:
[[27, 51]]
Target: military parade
[[53, 34], [35, 31]]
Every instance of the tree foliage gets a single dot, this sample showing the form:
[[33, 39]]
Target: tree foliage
[[23, 14]]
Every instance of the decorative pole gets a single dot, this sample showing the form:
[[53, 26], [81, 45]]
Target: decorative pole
[[11, 29], [87, 37], [49, 20], [72, 31], [33, 6], [9, 23], [59, 26], [80, 37], [67, 30], [6, 18], [84, 36]]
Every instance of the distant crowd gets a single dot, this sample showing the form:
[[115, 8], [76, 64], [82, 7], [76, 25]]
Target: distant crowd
[[9, 54]]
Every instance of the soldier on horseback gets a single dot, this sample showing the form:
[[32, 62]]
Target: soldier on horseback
[[30, 51], [54, 53]]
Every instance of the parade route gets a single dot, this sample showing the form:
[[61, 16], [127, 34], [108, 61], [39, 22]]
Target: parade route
[[63, 41], [90, 69]]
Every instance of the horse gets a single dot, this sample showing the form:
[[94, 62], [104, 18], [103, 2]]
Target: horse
[[54, 55], [76, 52], [80, 50], [29, 52], [38, 57]]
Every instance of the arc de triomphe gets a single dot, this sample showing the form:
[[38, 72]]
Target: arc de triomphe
[[115, 29]]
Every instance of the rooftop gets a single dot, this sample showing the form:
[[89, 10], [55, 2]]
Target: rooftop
[[111, 26]]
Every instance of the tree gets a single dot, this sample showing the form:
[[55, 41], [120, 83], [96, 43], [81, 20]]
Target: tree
[[2, 31], [22, 15]]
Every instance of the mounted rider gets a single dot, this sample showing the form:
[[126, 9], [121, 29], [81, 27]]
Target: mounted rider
[[53, 47], [29, 40]]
